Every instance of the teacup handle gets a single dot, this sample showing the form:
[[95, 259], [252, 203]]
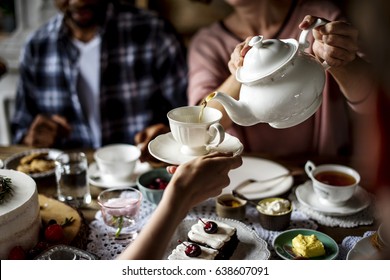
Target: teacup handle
[[304, 43], [217, 135], [309, 167]]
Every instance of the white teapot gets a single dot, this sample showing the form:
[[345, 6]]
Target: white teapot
[[281, 83]]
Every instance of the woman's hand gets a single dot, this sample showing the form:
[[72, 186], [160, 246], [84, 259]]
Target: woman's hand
[[201, 178], [191, 183], [335, 42], [237, 57]]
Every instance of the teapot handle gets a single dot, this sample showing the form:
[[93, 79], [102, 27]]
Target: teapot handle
[[304, 43]]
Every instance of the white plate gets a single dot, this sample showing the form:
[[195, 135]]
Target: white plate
[[363, 250], [359, 201], [13, 161], [250, 247], [165, 148], [259, 169], [97, 180]]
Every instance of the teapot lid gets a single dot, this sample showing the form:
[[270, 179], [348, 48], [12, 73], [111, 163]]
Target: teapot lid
[[265, 57]]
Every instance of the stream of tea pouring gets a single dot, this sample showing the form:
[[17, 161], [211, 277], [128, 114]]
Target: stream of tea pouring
[[203, 105]]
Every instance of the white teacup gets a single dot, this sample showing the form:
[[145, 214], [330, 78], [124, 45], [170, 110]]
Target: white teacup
[[334, 184], [196, 136], [117, 161]]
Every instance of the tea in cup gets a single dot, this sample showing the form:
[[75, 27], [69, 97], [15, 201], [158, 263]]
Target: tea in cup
[[197, 132], [334, 184]]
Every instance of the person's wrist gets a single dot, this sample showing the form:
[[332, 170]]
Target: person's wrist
[[176, 197]]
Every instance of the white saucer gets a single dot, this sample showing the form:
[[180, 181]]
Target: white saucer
[[359, 201], [259, 169], [165, 148], [96, 179]]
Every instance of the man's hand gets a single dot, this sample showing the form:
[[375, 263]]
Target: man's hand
[[44, 131], [143, 138]]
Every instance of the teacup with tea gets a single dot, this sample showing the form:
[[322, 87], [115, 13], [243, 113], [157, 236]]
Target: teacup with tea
[[334, 184], [196, 128]]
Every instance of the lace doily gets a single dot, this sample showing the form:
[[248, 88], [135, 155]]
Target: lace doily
[[364, 217], [99, 241], [102, 246], [349, 242]]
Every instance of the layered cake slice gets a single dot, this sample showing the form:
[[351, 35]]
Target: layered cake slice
[[216, 235]]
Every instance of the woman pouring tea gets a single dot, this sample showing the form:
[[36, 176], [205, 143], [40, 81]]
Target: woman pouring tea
[[349, 91]]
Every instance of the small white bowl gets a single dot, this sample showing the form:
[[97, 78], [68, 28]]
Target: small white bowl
[[117, 161]]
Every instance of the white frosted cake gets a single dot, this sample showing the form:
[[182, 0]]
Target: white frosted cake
[[20, 220], [179, 253]]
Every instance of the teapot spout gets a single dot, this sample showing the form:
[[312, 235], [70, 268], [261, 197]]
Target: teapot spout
[[238, 111]]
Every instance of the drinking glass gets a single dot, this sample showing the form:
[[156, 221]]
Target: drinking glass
[[120, 208], [72, 179]]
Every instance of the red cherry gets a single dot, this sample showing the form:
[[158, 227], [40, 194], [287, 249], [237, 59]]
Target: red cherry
[[158, 184], [162, 185], [192, 250], [17, 253], [209, 226], [54, 233]]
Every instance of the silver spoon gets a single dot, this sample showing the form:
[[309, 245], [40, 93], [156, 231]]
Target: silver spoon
[[288, 249], [243, 197]]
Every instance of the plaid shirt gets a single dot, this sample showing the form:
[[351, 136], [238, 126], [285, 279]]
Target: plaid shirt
[[143, 75]]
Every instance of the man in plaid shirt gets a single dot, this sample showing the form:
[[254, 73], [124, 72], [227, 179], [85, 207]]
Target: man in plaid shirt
[[98, 73]]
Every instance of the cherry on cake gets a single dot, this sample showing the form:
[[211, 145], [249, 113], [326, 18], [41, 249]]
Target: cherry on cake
[[180, 253]]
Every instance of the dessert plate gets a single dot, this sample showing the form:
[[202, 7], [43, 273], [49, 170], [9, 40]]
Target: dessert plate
[[250, 247], [259, 169], [165, 148], [96, 179], [13, 161], [363, 250], [359, 201], [286, 237]]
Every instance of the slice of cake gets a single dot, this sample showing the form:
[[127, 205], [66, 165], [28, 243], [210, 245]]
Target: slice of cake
[[216, 235], [307, 246], [181, 253]]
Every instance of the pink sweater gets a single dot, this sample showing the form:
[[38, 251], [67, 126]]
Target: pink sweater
[[327, 132]]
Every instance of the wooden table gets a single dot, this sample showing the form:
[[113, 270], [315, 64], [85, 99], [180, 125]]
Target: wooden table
[[47, 186]]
